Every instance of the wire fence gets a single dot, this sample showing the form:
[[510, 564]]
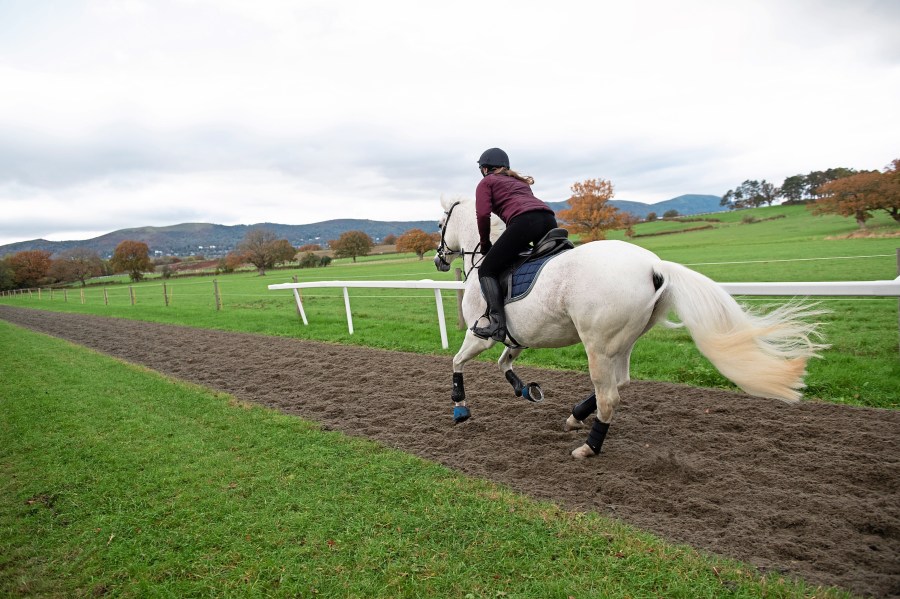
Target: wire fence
[[214, 292]]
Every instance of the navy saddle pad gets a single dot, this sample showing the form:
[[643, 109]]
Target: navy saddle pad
[[523, 278]]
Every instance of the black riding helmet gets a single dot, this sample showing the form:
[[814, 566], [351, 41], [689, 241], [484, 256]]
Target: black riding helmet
[[493, 158]]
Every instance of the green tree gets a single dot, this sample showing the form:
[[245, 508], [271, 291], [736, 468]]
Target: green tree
[[132, 257], [352, 244], [6, 275], [793, 189], [750, 194], [309, 260], [670, 214]]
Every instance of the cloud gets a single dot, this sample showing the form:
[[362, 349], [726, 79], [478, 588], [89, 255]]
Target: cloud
[[128, 113]]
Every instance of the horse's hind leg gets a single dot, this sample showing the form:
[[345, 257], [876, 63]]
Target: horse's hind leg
[[588, 406], [603, 374], [471, 347]]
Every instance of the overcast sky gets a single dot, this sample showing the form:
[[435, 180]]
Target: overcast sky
[[128, 113]]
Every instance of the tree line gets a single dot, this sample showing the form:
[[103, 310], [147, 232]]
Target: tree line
[[843, 191], [260, 248]]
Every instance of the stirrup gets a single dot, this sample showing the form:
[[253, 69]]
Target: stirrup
[[494, 330]]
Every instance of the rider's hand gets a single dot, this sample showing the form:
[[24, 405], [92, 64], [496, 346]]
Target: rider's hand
[[485, 248]]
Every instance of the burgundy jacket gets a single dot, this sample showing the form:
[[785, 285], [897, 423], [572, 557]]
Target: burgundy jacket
[[505, 196]]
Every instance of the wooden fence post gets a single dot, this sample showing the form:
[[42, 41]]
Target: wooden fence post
[[105, 297], [216, 291], [131, 293], [82, 296], [51, 294], [66, 295], [165, 294], [460, 320]]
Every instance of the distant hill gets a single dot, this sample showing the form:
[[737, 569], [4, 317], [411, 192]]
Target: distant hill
[[685, 205], [213, 241], [217, 240]]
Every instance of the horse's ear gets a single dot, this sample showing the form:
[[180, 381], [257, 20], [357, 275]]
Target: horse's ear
[[446, 203]]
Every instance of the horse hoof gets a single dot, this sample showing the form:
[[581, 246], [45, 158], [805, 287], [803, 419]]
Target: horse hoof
[[583, 452], [533, 393], [461, 414], [572, 424]]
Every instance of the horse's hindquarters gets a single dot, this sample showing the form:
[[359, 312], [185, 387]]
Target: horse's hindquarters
[[598, 290]]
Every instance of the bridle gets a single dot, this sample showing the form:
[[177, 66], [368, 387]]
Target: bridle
[[445, 255]]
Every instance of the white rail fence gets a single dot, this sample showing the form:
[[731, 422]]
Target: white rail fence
[[888, 288]]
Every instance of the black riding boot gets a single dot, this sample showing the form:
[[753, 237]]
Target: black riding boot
[[496, 328]]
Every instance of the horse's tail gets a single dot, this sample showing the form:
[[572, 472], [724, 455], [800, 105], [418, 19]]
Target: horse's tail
[[763, 354]]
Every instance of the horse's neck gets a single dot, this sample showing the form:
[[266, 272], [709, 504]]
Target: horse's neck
[[471, 239], [471, 244]]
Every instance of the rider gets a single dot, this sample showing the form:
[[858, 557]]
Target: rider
[[507, 194]]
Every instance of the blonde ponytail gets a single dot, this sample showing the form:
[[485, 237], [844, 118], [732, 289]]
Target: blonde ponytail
[[511, 173]]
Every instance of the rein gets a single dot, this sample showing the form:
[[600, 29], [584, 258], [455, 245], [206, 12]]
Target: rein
[[443, 250]]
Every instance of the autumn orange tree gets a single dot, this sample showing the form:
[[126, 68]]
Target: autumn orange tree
[[284, 252], [416, 241], [861, 194], [232, 261], [132, 257], [352, 244], [590, 214], [30, 267]]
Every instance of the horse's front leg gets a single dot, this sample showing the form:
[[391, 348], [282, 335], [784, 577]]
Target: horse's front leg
[[471, 347], [531, 391], [605, 400]]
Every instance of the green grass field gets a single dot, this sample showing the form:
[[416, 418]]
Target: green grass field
[[122, 482], [116, 481], [787, 244]]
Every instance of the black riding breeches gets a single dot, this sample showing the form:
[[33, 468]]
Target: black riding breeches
[[525, 229]]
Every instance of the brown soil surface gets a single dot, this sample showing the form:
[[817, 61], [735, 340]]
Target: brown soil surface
[[811, 490]]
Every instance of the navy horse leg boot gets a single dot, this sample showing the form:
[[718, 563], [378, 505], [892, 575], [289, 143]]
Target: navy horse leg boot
[[496, 327]]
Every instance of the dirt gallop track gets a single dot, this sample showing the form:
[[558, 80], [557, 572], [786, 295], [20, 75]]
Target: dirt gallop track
[[811, 490]]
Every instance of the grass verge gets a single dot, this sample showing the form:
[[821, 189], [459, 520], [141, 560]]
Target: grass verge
[[116, 480]]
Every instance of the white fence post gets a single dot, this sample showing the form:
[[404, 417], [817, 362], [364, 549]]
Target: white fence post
[[300, 306], [441, 323], [349, 316]]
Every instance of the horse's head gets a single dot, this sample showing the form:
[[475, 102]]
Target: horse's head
[[459, 232], [449, 246]]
